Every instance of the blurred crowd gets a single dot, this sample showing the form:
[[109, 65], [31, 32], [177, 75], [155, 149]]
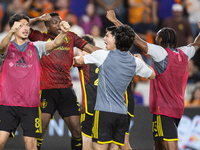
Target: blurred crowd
[[146, 17]]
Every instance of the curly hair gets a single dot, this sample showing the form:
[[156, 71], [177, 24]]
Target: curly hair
[[17, 17], [169, 37], [124, 36]]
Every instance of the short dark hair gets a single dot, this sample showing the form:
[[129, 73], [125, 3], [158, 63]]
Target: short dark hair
[[112, 29], [52, 14], [17, 17], [89, 39], [169, 37], [124, 37]]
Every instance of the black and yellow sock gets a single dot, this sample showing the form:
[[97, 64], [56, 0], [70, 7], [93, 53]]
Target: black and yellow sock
[[76, 144], [39, 142]]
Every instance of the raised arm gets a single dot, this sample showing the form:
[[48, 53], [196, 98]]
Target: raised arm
[[196, 43], [6, 40], [45, 17], [112, 18], [141, 44], [64, 26]]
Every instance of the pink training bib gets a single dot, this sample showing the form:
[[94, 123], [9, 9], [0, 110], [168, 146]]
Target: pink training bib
[[20, 78], [168, 89]]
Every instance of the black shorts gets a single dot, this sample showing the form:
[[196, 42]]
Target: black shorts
[[109, 128], [128, 123], [63, 100], [28, 117], [164, 128], [87, 124], [130, 99]]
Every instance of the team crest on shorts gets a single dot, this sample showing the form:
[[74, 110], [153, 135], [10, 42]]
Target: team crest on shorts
[[44, 103]]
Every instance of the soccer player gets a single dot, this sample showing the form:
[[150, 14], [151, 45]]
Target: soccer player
[[168, 88], [108, 39], [56, 85], [20, 79], [128, 94], [116, 70], [89, 81], [130, 102]]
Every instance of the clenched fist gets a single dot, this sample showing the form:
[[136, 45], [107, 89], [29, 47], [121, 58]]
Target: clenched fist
[[45, 17], [111, 15], [16, 26], [64, 26]]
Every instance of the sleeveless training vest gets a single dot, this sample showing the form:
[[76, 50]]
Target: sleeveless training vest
[[20, 78], [168, 89]]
